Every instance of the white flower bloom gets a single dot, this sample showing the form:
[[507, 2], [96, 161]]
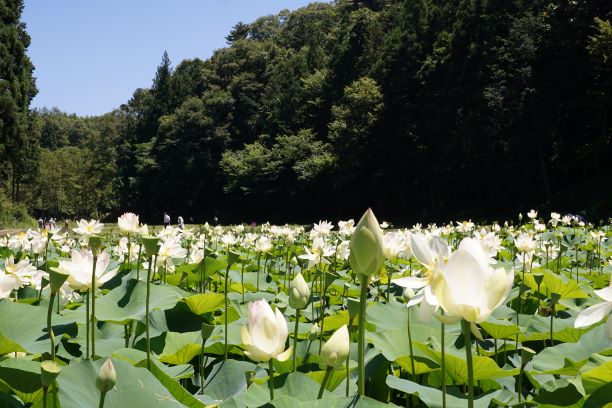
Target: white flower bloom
[[525, 243], [343, 250], [490, 242], [346, 228], [263, 244], [229, 239], [467, 287], [87, 228], [129, 223], [266, 335], [80, 268], [323, 228]]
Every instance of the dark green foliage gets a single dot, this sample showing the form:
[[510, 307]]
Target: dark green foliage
[[429, 109], [18, 147]]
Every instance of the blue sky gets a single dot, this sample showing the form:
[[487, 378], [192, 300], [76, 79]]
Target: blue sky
[[90, 55]]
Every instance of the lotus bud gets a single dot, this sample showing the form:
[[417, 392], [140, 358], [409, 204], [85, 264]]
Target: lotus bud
[[366, 256], [49, 370], [95, 244], [336, 349], [408, 294], [315, 332], [299, 292], [151, 245], [106, 377]]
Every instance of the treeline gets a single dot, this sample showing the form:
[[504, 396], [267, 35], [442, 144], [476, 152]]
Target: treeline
[[424, 110]]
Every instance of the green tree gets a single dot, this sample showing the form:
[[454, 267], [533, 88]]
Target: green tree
[[17, 88]]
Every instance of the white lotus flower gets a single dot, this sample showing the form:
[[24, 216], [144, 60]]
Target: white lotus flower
[[266, 335], [393, 245], [555, 218], [7, 284], [336, 350], [80, 268], [490, 242], [532, 214], [323, 228], [467, 287], [430, 253], [343, 250], [229, 239], [21, 271], [316, 255], [525, 243], [346, 227], [595, 313], [129, 223], [88, 228], [263, 244]]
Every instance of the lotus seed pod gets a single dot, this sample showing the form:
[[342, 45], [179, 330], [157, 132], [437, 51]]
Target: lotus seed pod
[[95, 244], [57, 279], [49, 370], [151, 245]]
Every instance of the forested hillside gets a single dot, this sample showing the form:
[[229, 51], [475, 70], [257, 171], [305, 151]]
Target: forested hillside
[[422, 109]]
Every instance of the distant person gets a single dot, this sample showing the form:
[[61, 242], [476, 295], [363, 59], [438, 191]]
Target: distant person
[[166, 219], [181, 223], [41, 223], [216, 221]]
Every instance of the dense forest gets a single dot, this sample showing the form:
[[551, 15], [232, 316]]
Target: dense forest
[[425, 110]]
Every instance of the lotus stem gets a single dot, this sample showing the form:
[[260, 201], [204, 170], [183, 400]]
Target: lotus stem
[[138, 262], [93, 308], [361, 340], [226, 308], [470, 367], [102, 398], [410, 347], [325, 380], [49, 326], [87, 325], [148, 334], [295, 334], [258, 266], [443, 364], [271, 380]]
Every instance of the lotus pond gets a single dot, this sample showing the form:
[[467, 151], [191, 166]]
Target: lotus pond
[[356, 314]]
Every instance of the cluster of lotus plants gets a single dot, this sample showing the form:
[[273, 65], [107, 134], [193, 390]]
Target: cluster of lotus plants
[[349, 314]]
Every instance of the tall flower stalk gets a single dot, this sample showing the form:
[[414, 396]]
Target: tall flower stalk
[[151, 245], [366, 258], [56, 280], [299, 296]]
